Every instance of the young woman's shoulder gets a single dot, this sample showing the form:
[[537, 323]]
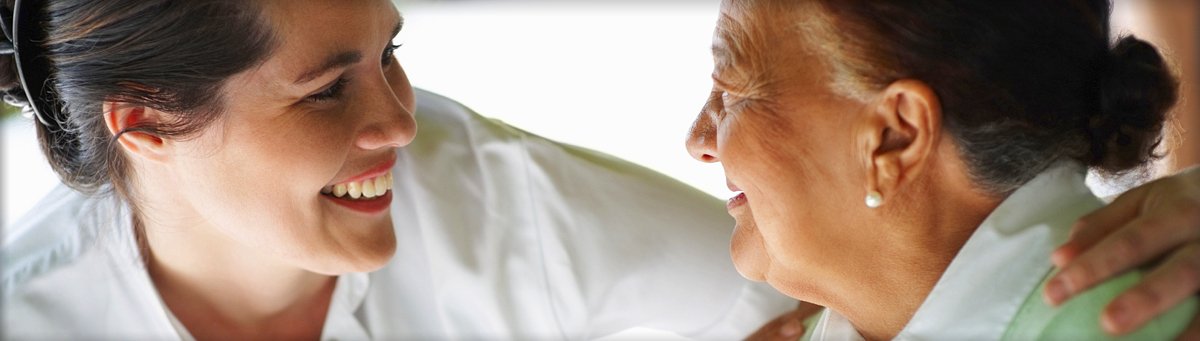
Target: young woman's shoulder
[[50, 235], [72, 271]]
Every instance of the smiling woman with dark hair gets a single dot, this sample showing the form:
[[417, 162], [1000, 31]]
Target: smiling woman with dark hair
[[911, 165], [250, 170]]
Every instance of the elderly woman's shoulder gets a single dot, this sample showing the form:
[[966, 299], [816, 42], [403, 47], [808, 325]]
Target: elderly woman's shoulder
[[1079, 318]]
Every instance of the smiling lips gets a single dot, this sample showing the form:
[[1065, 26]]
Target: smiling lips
[[738, 199], [369, 193], [364, 189]]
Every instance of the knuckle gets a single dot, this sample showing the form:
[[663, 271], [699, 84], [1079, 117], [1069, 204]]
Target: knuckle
[[1128, 246], [1079, 276], [1190, 271], [1142, 298]]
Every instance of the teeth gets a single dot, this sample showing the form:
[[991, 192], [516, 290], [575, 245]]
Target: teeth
[[366, 189], [381, 186]]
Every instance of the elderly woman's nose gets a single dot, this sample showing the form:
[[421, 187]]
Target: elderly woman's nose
[[702, 138], [392, 125]]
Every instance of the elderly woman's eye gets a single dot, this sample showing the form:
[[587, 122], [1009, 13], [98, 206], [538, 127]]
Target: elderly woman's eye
[[388, 53]]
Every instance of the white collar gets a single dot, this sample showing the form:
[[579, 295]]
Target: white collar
[[341, 322], [999, 266]]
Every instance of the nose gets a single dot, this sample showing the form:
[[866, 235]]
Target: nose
[[702, 137], [391, 123]]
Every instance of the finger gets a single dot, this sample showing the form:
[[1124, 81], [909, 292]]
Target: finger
[[1139, 242], [1093, 227], [804, 310], [1173, 282], [1192, 332], [789, 326], [792, 329]]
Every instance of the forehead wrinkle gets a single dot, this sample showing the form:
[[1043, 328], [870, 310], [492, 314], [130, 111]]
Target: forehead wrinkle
[[741, 58], [746, 68]]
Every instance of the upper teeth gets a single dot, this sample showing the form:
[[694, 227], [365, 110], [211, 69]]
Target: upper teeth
[[369, 188]]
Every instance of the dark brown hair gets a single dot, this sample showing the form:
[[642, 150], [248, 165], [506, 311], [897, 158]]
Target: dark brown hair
[[1023, 84], [170, 55]]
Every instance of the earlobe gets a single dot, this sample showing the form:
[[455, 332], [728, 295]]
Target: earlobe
[[131, 125], [904, 128]]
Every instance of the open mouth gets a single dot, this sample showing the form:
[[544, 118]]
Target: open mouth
[[737, 200], [371, 196], [361, 190]]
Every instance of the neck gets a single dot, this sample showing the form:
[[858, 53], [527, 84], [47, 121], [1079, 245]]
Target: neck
[[213, 283], [920, 237]]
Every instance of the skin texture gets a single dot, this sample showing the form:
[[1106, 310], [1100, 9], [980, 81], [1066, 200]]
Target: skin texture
[[805, 157], [242, 244]]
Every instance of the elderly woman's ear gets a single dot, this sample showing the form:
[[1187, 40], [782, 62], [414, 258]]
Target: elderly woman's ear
[[901, 130]]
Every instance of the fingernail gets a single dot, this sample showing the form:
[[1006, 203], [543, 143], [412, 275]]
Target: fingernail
[[1059, 258], [792, 328], [1116, 318], [1056, 291]]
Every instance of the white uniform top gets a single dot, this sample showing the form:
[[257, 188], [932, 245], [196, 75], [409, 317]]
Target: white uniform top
[[501, 235]]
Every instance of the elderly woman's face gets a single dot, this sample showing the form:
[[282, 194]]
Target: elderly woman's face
[[784, 139], [328, 108]]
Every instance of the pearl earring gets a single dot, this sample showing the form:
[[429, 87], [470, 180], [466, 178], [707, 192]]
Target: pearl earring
[[874, 199]]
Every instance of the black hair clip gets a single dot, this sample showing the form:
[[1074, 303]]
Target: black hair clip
[[24, 32]]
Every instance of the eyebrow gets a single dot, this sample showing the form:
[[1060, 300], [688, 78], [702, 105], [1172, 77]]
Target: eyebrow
[[339, 60]]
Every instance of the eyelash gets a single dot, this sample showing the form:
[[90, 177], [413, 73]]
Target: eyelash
[[389, 52], [334, 91]]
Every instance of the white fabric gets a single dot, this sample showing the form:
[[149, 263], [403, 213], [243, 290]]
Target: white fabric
[[502, 235], [998, 267]]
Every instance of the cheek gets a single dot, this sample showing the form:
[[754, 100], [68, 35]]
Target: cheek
[[265, 173]]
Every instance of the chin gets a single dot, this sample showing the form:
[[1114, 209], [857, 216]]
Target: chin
[[748, 251], [364, 252]]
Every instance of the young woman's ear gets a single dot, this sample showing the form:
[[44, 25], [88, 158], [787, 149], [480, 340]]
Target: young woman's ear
[[133, 126]]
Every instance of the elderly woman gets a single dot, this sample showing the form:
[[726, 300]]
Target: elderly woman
[[911, 166]]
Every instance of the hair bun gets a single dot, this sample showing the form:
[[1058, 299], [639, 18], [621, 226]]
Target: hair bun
[[1137, 89]]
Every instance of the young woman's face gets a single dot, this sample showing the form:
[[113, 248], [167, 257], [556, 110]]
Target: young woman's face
[[325, 112]]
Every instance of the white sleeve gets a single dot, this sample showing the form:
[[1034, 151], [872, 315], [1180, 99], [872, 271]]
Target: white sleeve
[[627, 247], [506, 235]]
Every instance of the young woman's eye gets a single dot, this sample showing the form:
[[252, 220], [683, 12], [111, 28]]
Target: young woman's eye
[[332, 92], [388, 53]]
